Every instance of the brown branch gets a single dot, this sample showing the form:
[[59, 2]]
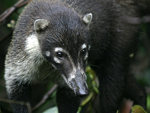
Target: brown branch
[[17, 102], [10, 10], [45, 97], [24, 3]]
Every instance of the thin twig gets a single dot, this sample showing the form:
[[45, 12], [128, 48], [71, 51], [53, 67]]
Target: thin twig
[[10, 10], [17, 102], [24, 3], [45, 97]]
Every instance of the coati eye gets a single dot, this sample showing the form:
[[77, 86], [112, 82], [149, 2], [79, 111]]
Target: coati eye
[[59, 55], [83, 51]]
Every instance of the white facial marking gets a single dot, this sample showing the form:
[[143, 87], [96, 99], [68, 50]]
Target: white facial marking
[[32, 45], [59, 49], [82, 71], [57, 60], [71, 77], [83, 46], [47, 53], [72, 74], [86, 56]]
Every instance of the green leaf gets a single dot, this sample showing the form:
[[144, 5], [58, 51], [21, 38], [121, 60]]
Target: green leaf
[[138, 109], [148, 102], [51, 110]]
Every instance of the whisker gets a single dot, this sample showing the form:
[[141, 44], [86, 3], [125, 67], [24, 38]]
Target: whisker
[[49, 74], [94, 65]]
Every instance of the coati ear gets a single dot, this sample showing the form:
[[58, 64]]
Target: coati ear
[[40, 24], [88, 18]]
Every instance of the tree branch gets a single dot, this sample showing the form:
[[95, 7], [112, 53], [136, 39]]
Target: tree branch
[[45, 97], [10, 10], [17, 102]]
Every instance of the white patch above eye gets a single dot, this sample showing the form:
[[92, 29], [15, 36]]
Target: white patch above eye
[[47, 53], [83, 46], [59, 49], [57, 60]]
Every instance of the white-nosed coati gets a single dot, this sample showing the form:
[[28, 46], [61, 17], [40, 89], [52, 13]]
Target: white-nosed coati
[[67, 35]]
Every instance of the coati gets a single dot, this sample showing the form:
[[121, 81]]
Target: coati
[[66, 36]]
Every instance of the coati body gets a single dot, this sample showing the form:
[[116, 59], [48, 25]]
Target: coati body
[[65, 36]]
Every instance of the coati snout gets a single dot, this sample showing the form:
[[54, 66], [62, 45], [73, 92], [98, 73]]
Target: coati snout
[[77, 82], [79, 85]]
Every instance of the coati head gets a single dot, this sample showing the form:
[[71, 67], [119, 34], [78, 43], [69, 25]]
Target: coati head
[[64, 42]]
